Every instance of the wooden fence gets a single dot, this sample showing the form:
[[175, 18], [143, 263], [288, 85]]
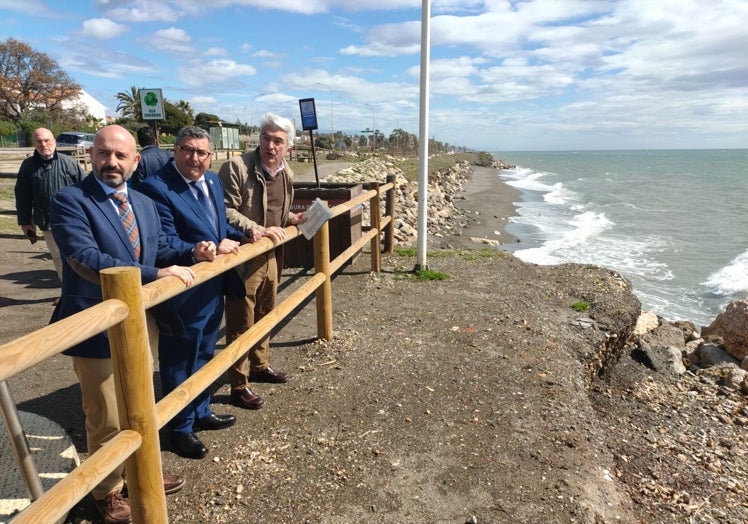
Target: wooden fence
[[11, 157], [122, 313]]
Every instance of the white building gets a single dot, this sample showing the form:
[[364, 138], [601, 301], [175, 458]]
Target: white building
[[88, 104]]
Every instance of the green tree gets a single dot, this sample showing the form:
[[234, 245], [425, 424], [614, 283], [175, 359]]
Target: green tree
[[400, 141], [175, 119], [322, 141], [32, 84], [128, 105], [186, 108], [206, 120]]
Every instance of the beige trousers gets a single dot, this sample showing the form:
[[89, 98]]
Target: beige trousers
[[100, 407], [261, 287]]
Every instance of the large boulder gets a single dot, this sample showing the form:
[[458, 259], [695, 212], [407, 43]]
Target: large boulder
[[732, 327]]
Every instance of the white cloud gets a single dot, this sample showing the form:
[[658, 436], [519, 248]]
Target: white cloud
[[357, 89], [546, 68], [28, 7], [102, 28], [264, 53], [214, 72], [202, 100], [172, 40], [135, 11], [215, 51]]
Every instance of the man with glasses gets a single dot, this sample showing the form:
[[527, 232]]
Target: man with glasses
[[39, 178], [189, 199], [258, 192]]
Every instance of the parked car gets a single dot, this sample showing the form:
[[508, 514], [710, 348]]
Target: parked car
[[75, 139]]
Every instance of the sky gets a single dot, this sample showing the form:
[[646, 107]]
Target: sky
[[503, 75]]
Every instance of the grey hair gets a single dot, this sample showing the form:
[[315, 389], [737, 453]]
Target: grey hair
[[192, 132], [273, 122]]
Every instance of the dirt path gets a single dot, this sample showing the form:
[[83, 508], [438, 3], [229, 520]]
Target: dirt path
[[323, 170], [418, 411]]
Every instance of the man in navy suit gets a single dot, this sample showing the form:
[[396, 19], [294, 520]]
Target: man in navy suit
[[189, 199], [90, 233]]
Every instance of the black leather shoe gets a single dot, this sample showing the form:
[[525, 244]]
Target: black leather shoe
[[214, 421], [269, 375], [187, 445], [244, 398]]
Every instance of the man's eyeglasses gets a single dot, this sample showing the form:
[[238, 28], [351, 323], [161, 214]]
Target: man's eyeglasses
[[188, 151]]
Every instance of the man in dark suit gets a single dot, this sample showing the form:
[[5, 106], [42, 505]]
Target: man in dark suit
[[189, 199], [91, 234], [152, 157]]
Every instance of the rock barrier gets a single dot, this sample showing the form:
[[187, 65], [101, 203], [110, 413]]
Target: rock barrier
[[444, 185]]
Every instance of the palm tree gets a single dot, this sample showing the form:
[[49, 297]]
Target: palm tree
[[186, 108], [129, 104]]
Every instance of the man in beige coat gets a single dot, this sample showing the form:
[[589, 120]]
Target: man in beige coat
[[258, 192]]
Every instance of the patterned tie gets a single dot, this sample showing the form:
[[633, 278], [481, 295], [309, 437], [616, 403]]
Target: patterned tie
[[128, 220], [203, 201]]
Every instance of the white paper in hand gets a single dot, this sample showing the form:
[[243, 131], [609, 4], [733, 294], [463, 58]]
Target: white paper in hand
[[316, 215]]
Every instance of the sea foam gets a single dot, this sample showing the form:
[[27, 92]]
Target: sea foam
[[731, 279]]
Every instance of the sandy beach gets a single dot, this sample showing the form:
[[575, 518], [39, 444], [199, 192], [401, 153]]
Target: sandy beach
[[489, 201], [486, 199]]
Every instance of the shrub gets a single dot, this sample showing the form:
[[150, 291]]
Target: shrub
[[580, 306]]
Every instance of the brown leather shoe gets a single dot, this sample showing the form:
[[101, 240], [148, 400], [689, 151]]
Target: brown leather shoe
[[244, 398], [172, 483], [114, 509], [269, 375]]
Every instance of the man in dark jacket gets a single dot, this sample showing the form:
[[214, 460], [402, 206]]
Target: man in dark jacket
[[189, 200], [39, 178], [152, 157], [91, 221]]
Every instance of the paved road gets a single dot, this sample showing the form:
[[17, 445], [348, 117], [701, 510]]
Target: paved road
[[323, 169]]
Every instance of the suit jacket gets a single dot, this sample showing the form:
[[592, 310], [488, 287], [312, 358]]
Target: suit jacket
[[152, 158], [184, 220], [89, 233]]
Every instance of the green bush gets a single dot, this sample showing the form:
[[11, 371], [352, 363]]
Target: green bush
[[7, 128], [429, 274], [580, 306]]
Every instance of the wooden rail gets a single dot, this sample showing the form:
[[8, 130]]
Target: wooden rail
[[11, 157], [122, 312]]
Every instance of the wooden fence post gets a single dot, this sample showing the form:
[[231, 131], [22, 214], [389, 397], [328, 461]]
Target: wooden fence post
[[389, 233], [323, 293], [133, 377], [376, 223]]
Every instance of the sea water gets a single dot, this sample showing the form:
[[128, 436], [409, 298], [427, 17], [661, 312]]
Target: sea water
[[674, 222]]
